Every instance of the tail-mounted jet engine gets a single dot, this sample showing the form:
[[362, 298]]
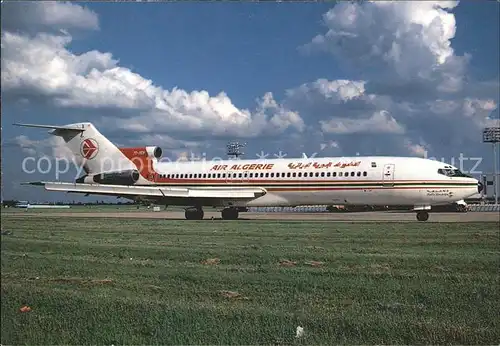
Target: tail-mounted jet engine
[[139, 152], [128, 177], [155, 152], [140, 156]]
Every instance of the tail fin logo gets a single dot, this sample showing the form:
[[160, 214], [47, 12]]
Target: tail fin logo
[[89, 148]]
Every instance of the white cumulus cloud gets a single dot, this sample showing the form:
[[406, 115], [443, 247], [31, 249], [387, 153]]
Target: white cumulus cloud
[[42, 64], [395, 41], [52, 146], [24, 16], [380, 122], [413, 97]]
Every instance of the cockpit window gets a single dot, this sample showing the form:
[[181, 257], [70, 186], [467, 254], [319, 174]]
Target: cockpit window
[[453, 172]]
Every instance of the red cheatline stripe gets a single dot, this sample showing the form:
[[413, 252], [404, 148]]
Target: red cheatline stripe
[[272, 189], [296, 181]]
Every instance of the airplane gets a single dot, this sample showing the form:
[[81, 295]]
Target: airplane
[[233, 186]]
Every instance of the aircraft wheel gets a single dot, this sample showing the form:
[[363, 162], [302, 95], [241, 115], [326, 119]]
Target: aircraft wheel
[[194, 214], [422, 216], [230, 214]]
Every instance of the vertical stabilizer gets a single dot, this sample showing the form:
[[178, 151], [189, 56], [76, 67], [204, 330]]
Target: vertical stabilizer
[[92, 151]]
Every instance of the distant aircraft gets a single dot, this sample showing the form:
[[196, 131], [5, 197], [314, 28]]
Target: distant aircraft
[[21, 204], [27, 205], [234, 185]]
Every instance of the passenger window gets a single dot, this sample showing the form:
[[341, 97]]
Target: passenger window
[[322, 174], [334, 174], [272, 175], [294, 174], [204, 175], [327, 174], [358, 174], [288, 174], [346, 174], [365, 174], [317, 174], [352, 174], [267, 175]]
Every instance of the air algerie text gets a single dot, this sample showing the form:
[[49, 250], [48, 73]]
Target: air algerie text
[[247, 167]]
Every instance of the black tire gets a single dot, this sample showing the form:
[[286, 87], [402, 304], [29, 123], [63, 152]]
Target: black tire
[[194, 214], [422, 216], [230, 214]]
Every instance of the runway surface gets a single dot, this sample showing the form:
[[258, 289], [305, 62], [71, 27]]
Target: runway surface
[[345, 217]]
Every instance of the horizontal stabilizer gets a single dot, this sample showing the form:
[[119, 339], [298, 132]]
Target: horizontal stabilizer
[[53, 127]]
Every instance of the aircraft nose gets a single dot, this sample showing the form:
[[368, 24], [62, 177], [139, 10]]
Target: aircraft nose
[[480, 187]]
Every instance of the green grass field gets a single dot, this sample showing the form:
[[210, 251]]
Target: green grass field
[[132, 281]]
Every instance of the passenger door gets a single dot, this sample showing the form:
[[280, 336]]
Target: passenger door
[[388, 175]]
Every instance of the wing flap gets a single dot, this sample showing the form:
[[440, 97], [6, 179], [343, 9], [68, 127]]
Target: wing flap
[[155, 191]]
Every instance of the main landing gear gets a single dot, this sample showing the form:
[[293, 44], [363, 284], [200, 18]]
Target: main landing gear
[[197, 213], [422, 215], [194, 214], [230, 213]]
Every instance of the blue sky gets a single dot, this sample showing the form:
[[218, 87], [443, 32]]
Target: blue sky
[[387, 79], [215, 46]]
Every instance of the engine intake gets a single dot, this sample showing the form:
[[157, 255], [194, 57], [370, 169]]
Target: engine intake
[[155, 152], [129, 177], [152, 152]]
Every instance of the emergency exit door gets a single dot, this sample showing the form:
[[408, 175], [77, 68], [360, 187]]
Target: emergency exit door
[[388, 175]]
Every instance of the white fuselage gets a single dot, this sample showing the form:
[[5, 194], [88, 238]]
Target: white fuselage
[[139, 174], [343, 180]]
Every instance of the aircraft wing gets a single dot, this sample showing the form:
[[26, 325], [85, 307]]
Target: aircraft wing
[[157, 192]]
